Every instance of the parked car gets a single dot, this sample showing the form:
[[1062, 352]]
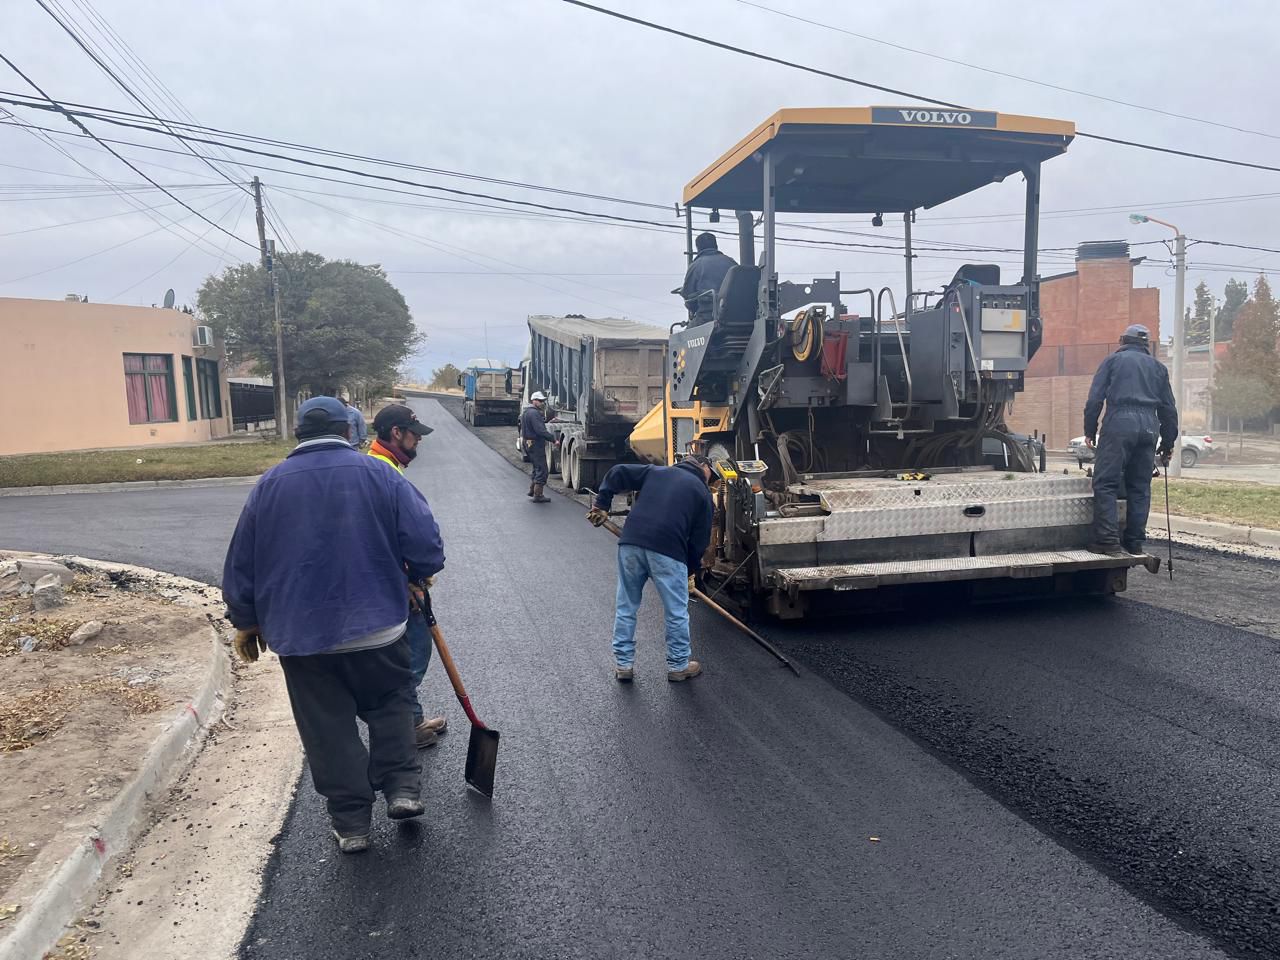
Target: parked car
[[1194, 449]]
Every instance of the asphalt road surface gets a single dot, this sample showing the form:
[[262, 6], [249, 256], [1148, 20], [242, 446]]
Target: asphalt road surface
[[1074, 780]]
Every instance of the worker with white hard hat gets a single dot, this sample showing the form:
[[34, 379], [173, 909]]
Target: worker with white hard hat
[[534, 437]]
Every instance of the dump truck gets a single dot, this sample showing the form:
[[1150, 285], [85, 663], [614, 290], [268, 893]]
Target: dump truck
[[600, 376], [491, 393], [859, 434]]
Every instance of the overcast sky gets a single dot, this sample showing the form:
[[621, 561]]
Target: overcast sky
[[542, 92]]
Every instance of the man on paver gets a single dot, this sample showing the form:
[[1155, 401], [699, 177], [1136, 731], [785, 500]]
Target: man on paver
[[1140, 410], [705, 273], [398, 431], [535, 436], [663, 540], [359, 431], [315, 571]]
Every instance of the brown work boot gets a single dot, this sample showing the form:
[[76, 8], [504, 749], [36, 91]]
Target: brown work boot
[[1108, 550], [530, 493], [624, 674], [688, 673], [404, 808], [352, 843], [427, 733], [537, 494]]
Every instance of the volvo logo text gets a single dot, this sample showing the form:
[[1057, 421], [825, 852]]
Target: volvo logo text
[[936, 116], [696, 342]]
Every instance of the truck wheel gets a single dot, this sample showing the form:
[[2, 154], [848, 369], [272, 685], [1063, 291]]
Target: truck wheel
[[572, 469], [1189, 456]]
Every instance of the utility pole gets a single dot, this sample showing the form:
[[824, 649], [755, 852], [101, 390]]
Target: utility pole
[[1179, 333], [1213, 361], [1179, 340], [267, 249]]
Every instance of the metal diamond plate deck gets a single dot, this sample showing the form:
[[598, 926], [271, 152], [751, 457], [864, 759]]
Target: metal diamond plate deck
[[861, 576], [946, 488]]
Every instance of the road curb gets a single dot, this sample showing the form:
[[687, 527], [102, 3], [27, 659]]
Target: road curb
[[59, 882], [123, 486], [1226, 532]]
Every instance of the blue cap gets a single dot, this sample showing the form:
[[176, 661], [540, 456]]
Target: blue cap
[[321, 410], [1136, 332]]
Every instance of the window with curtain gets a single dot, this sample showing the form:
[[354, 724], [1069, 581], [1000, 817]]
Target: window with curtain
[[148, 385], [210, 392]]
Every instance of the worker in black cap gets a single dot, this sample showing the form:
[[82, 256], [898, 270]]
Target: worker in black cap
[[705, 274], [1141, 414], [663, 540], [338, 625], [398, 431]]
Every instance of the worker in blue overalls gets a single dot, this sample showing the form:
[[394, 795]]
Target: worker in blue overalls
[[1141, 414]]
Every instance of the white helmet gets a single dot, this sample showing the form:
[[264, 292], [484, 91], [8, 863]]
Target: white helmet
[[538, 395]]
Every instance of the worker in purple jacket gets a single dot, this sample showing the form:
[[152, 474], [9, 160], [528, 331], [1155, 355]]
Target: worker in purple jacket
[[316, 571]]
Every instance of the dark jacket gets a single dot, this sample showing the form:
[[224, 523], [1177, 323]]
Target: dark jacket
[[1132, 377], [672, 511], [319, 555], [705, 273], [533, 425]]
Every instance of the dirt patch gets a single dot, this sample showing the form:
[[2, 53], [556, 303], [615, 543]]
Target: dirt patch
[[75, 721]]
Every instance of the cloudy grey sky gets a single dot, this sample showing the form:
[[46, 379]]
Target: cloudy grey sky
[[541, 92]]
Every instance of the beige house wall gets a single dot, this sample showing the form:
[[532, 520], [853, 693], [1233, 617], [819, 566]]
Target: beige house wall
[[62, 381]]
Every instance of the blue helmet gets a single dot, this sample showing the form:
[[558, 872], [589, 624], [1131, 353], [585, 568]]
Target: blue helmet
[[1136, 333]]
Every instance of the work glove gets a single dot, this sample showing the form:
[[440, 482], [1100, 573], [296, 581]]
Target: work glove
[[693, 583], [248, 644], [416, 591], [1165, 456], [597, 516]]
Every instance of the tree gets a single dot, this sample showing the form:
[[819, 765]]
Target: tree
[[445, 378], [344, 323], [1252, 353], [1195, 325], [1234, 296], [1241, 397]]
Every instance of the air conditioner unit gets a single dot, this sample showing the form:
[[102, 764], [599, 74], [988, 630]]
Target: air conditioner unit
[[203, 337]]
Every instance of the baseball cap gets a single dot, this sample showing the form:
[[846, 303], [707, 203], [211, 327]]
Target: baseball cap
[[538, 395], [321, 410], [1136, 331], [398, 415]]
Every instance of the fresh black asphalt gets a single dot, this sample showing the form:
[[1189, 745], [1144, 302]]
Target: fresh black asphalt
[[968, 785]]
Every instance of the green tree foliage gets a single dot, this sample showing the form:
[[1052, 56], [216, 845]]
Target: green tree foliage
[[1234, 297], [1253, 355], [1195, 325], [343, 322], [445, 378]]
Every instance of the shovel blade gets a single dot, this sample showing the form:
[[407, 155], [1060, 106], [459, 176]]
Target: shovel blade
[[482, 759]]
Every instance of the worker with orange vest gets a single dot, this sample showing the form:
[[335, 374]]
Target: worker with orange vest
[[398, 431]]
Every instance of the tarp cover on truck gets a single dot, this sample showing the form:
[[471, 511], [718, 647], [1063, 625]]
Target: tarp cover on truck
[[608, 330]]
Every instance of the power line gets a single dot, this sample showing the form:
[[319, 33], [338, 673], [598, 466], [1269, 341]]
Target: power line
[[1011, 76], [697, 38], [128, 90], [185, 250], [74, 223], [72, 119]]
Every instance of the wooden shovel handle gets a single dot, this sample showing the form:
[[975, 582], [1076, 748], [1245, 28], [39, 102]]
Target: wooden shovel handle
[[446, 658]]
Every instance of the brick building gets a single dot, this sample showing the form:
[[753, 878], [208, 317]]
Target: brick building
[[1084, 313]]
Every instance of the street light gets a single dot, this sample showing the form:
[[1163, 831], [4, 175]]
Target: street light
[[1179, 298]]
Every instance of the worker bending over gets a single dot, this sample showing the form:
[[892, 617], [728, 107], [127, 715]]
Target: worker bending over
[[534, 437], [1134, 385], [316, 571], [663, 540], [398, 431]]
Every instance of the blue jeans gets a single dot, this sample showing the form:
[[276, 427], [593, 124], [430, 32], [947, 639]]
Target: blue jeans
[[419, 636], [671, 577]]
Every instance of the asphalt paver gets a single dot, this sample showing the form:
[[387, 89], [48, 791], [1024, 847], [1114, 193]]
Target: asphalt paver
[[747, 813]]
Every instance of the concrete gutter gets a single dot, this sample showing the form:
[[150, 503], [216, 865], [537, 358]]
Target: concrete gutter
[[60, 882], [124, 486], [1224, 532]]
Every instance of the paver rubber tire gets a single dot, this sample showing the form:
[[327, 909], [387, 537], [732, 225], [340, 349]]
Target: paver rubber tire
[[1189, 456], [573, 473]]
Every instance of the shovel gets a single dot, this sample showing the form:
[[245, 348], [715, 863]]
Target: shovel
[[482, 748]]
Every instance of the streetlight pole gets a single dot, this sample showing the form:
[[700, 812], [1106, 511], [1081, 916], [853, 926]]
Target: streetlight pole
[[1179, 334], [1213, 359]]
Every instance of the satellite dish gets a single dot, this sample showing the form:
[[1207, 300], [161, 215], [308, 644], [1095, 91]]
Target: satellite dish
[[168, 299]]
